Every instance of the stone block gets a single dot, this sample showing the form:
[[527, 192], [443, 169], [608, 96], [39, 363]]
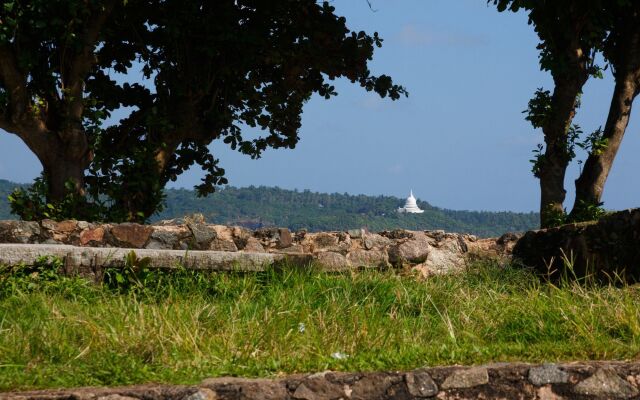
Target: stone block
[[294, 249], [267, 234], [398, 234], [466, 378], [19, 231], [67, 226], [223, 245], [92, 236], [605, 383], [331, 261], [169, 237], [373, 240], [131, 235], [546, 374], [241, 236], [420, 384], [317, 387], [415, 250], [284, 238], [203, 235], [253, 246], [203, 394], [223, 232], [322, 240], [115, 396], [243, 388], [356, 233], [374, 258]]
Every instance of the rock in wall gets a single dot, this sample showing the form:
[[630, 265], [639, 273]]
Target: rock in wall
[[604, 248]]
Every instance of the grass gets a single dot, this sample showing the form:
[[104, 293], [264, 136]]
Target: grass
[[186, 326]]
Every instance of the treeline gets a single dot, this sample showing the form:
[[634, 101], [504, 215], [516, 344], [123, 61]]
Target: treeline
[[255, 207]]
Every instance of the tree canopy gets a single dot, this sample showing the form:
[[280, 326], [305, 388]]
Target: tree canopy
[[212, 70]]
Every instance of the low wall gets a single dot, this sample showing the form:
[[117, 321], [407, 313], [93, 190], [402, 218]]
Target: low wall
[[605, 248], [429, 252], [590, 380]]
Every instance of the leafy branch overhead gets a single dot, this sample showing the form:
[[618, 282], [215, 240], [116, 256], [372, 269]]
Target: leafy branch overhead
[[213, 71]]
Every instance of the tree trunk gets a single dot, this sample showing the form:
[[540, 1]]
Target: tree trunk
[[65, 161], [61, 171], [590, 183], [556, 158]]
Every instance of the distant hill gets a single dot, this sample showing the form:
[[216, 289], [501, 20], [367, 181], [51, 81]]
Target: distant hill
[[266, 206], [255, 207], [6, 187]]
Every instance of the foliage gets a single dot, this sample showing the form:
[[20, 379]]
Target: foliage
[[189, 73], [191, 327], [584, 211], [129, 189], [539, 108], [133, 277], [538, 160], [44, 277], [22, 278], [594, 143], [547, 17], [31, 204], [554, 217], [256, 207]]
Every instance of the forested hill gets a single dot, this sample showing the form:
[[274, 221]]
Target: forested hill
[[6, 187], [265, 206], [255, 207]]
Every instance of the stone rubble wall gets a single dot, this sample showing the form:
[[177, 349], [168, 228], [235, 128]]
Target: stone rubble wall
[[607, 249], [429, 252], [589, 380]]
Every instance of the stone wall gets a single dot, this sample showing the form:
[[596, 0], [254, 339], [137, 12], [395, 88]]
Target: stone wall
[[588, 380], [430, 252], [604, 248]]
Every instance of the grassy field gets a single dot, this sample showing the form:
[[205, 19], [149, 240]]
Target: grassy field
[[185, 326]]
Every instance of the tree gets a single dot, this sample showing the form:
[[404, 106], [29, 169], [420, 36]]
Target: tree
[[47, 51], [622, 50], [215, 68], [572, 33]]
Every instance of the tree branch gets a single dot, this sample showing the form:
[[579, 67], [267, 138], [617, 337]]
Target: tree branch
[[83, 62], [19, 119], [15, 83]]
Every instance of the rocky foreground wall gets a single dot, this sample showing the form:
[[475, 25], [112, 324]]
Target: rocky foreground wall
[[430, 252], [591, 380], [608, 248]]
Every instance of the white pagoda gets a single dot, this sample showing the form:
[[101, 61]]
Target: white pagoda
[[410, 206]]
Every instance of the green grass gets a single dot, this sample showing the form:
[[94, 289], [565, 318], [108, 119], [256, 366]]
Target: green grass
[[186, 326]]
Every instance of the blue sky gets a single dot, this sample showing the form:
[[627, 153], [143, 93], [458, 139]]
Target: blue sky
[[459, 140]]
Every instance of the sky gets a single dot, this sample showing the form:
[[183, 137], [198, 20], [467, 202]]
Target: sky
[[459, 140]]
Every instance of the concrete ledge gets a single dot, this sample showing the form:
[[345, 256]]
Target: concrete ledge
[[79, 259], [588, 380]]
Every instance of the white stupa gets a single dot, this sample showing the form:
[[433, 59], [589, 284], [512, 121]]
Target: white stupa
[[410, 206]]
